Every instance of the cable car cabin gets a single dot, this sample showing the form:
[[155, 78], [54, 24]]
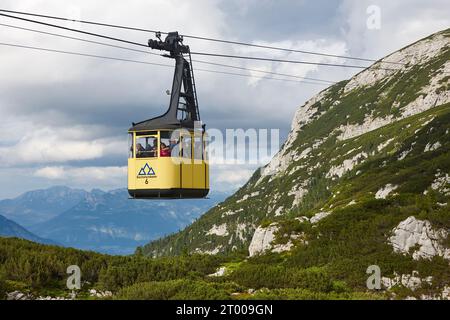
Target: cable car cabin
[[167, 154], [161, 165]]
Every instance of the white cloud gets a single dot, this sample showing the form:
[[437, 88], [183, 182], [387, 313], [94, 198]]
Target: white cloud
[[40, 145], [337, 47], [83, 177], [82, 173], [402, 22], [52, 173], [230, 177]]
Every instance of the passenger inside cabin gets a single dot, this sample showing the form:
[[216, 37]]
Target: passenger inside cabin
[[173, 143], [154, 152], [139, 150], [151, 150], [165, 150], [174, 147]]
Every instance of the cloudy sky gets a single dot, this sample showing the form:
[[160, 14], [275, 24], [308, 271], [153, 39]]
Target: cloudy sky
[[64, 118]]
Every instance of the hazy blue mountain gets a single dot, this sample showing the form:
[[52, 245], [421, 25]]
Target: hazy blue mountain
[[40, 205], [110, 222], [9, 229]]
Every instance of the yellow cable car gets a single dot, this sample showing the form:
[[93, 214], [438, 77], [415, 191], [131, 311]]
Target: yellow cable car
[[168, 157]]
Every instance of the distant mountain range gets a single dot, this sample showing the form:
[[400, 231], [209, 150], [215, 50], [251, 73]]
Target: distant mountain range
[[9, 228], [102, 221], [41, 205]]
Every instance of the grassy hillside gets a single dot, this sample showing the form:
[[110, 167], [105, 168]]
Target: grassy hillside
[[40, 270]]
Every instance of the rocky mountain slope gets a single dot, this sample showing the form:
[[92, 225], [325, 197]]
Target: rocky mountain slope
[[363, 181], [10, 229], [370, 151]]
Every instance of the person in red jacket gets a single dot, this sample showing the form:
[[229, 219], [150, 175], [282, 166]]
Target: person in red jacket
[[165, 150]]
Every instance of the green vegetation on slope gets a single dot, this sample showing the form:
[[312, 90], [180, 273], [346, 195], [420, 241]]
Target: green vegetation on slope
[[40, 270], [37, 268]]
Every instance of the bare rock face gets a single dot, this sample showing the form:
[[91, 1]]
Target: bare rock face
[[319, 216], [262, 239], [347, 165], [99, 293], [219, 273], [443, 295], [17, 295], [446, 293], [303, 116], [220, 230], [414, 233], [410, 281], [419, 52], [385, 191]]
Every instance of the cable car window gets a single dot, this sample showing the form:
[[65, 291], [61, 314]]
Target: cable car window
[[130, 146], [175, 148], [205, 147], [187, 147], [165, 148], [198, 148], [146, 147]]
